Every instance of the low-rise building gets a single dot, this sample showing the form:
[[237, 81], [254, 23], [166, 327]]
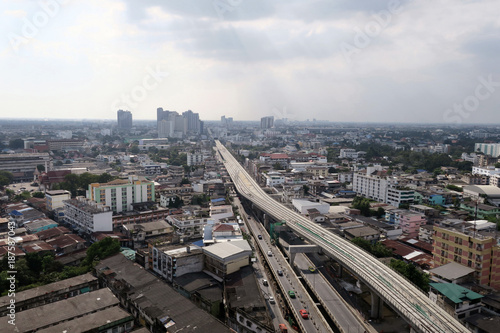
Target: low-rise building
[[457, 301], [222, 259], [87, 216], [54, 199], [172, 261], [141, 233]]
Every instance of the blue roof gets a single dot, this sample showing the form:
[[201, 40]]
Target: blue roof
[[218, 200], [16, 213]]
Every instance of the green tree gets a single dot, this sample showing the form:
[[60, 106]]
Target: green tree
[[134, 149], [38, 195], [40, 167], [185, 181], [25, 195], [16, 144], [409, 271], [101, 249], [5, 178]]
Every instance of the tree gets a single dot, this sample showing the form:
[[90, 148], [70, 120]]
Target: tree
[[16, 144], [409, 271], [134, 149], [101, 249], [332, 170], [306, 189], [185, 181], [5, 178], [38, 195], [25, 195], [40, 167]]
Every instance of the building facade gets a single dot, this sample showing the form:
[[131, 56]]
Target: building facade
[[121, 194], [124, 119], [472, 249], [88, 216]]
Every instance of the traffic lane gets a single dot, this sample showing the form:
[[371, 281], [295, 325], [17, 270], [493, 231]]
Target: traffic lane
[[332, 300], [301, 300]]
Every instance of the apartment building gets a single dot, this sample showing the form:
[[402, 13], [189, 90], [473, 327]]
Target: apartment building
[[54, 199], [88, 216], [274, 178], [121, 194], [492, 149], [475, 249], [396, 197], [372, 183], [409, 222], [172, 261]]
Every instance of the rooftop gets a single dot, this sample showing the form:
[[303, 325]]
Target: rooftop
[[57, 312], [455, 293], [452, 271]]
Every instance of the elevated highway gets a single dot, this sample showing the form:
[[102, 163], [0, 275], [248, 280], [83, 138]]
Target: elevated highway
[[395, 290]]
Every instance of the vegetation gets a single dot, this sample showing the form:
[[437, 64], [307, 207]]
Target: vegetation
[[5, 178], [77, 184], [200, 199], [409, 271], [377, 249], [454, 188], [35, 270], [363, 205]]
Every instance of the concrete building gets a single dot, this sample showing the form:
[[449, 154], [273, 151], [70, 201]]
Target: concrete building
[[124, 119], [188, 226], [172, 261], [492, 149], [54, 199], [372, 183], [267, 122], [23, 166], [475, 249], [120, 195], [195, 159], [303, 205], [141, 233], [485, 171], [457, 301], [226, 258], [87, 216], [398, 196], [274, 178]]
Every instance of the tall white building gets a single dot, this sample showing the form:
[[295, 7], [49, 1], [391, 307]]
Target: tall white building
[[88, 216], [121, 194], [371, 184]]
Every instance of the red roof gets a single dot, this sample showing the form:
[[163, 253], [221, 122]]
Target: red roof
[[278, 156], [223, 227]]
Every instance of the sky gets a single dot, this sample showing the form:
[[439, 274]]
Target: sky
[[405, 61]]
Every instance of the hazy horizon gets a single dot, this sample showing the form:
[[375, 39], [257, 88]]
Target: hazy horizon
[[342, 61]]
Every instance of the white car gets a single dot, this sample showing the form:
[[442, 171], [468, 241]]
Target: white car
[[271, 300]]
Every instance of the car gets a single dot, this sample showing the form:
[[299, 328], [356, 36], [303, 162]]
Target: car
[[280, 272], [264, 282], [13, 185], [312, 269], [259, 236], [269, 253], [304, 313], [291, 293], [271, 300]]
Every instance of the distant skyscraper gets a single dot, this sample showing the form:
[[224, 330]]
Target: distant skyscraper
[[267, 122], [193, 121], [124, 119]]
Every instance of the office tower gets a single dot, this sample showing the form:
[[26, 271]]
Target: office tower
[[124, 119], [267, 122]]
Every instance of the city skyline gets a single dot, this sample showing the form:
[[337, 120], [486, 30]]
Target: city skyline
[[399, 61]]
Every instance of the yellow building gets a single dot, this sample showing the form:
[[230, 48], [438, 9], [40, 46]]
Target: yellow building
[[477, 250]]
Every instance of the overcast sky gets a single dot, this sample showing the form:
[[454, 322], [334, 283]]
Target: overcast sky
[[339, 60]]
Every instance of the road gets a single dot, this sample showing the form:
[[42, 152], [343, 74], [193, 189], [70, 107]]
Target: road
[[404, 297]]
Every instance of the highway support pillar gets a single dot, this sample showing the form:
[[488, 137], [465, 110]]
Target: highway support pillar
[[377, 305], [341, 271]]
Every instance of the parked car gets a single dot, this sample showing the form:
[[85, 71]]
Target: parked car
[[304, 314]]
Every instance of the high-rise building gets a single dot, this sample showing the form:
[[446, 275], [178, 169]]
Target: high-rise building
[[492, 149], [124, 119], [170, 124], [469, 247], [193, 121], [267, 122]]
